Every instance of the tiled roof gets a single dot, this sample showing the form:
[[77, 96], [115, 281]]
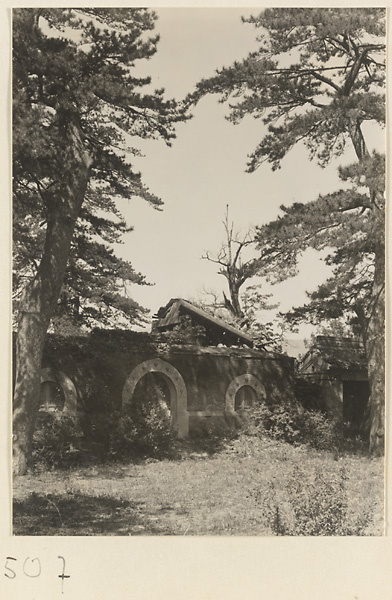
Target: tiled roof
[[339, 352], [169, 315]]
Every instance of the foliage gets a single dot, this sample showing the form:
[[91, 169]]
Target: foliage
[[212, 433], [317, 77], [57, 442], [95, 291], [143, 430], [267, 335], [103, 435], [344, 224], [63, 442], [142, 435], [79, 67], [183, 333], [233, 492], [288, 424], [315, 71], [311, 504], [79, 104], [320, 431], [341, 328]]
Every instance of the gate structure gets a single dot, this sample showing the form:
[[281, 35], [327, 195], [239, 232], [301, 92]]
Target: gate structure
[[203, 382], [179, 418]]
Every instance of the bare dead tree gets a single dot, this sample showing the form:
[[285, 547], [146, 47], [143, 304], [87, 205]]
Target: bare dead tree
[[232, 265]]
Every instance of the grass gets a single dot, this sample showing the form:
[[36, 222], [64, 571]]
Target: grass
[[249, 486]]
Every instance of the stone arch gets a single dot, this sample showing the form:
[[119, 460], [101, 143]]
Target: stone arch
[[237, 384], [177, 389], [67, 386]]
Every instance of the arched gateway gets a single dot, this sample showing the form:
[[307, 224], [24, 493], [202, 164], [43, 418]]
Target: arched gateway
[[177, 390]]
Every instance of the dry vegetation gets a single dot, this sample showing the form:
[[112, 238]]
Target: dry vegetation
[[248, 486]]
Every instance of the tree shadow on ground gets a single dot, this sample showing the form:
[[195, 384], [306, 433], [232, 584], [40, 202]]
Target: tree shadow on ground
[[80, 514]]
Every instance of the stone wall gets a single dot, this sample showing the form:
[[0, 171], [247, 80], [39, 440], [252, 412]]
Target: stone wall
[[106, 367]]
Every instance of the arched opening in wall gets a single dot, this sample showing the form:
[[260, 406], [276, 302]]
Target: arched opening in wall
[[245, 398], [173, 387], [154, 398], [243, 393], [58, 392], [52, 397]]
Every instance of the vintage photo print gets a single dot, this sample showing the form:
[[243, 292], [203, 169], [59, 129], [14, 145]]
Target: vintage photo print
[[198, 250]]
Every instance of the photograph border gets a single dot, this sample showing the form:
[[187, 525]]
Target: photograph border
[[202, 568]]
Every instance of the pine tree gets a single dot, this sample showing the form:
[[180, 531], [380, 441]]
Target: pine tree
[[317, 77], [96, 290], [78, 105]]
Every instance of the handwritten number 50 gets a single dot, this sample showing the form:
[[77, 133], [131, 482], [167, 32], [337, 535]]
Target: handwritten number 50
[[31, 567]]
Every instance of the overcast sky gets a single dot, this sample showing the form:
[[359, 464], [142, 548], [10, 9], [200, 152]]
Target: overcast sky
[[205, 169]]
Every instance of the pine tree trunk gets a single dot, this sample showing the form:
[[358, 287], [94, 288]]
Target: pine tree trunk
[[40, 297], [375, 352], [29, 346], [374, 336]]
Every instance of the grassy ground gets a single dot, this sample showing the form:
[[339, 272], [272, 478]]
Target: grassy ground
[[248, 487]]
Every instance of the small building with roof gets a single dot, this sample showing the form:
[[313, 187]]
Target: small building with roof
[[201, 379], [179, 312], [338, 365]]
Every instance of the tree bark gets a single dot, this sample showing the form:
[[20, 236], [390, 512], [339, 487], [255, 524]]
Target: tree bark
[[41, 295], [375, 352], [234, 289], [374, 335]]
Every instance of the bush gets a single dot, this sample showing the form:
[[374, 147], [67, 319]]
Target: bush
[[311, 504], [142, 434], [279, 423], [57, 441], [143, 431], [320, 432], [295, 427]]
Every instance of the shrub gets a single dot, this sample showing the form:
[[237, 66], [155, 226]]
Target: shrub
[[295, 427], [143, 430], [310, 504], [319, 431], [57, 441], [142, 434], [98, 429], [279, 422]]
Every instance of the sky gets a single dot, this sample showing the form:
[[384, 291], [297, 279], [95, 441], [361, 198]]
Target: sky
[[204, 170]]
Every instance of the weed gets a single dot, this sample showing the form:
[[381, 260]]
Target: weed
[[311, 504], [252, 486]]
